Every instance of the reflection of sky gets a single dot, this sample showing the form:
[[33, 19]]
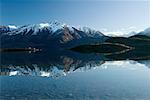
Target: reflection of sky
[[131, 65], [107, 16]]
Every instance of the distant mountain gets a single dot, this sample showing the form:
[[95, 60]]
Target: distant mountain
[[52, 33], [54, 29], [143, 35], [145, 32]]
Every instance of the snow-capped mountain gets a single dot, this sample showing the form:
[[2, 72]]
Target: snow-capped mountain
[[35, 28], [54, 28], [53, 33]]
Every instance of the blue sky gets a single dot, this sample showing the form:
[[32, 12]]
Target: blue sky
[[104, 15]]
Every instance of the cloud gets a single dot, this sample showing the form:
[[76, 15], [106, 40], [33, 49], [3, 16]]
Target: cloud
[[125, 32], [117, 33], [103, 29], [132, 27]]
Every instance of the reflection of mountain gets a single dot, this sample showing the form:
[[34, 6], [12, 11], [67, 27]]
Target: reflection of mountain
[[68, 65], [62, 67], [51, 64]]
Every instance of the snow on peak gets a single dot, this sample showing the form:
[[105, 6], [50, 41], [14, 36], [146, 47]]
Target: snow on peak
[[12, 26], [54, 25], [42, 25]]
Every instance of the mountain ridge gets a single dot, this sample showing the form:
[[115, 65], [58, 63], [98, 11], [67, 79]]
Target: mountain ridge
[[52, 33]]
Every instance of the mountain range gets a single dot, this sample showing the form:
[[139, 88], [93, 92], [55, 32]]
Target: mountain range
[[46, 34], [55, 36]]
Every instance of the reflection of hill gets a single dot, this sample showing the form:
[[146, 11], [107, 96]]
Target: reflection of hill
[[46, 57]]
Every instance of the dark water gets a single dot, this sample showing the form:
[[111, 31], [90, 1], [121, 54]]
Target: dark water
[[76, 77]]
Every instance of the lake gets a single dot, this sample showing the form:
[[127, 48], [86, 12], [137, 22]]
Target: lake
[[65, 77]]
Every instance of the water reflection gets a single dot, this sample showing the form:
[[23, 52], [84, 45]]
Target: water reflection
[[68, 66], [118, 80], [72, 76], [61, 68]]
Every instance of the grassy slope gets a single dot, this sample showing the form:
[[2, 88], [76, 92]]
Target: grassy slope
[[140, 37], [141, 45], [104, 48]]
